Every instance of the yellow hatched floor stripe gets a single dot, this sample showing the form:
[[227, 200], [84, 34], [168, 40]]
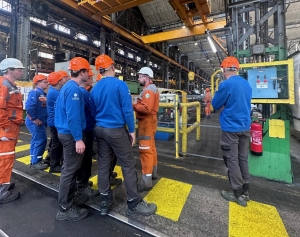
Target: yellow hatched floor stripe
[[170, 201], [255, 220], [22, 148], [117, 169], [20, 141], [25, 160]]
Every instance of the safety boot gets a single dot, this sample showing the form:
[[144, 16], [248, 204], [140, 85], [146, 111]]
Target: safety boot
[[246, 192], [146, 183], [13, 195], [142, 208], [73, 213], [106, 201], [39, 166], [154, 173], [237, 197]]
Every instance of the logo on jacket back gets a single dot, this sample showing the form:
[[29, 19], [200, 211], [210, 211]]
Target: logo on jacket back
[[75, 97]]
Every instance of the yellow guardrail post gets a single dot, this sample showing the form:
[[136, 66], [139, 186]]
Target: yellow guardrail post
[[176, 126], [198, 118], [184, 128], [217, 84]]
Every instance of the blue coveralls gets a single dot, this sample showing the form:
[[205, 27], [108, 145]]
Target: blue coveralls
[[36, 107]]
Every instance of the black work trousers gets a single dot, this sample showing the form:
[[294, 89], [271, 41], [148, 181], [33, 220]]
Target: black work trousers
[[117, 141], [235, 147], [56, 148], [69, 171], [84, 173]]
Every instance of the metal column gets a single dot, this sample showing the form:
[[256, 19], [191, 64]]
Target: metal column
[[23, 35]]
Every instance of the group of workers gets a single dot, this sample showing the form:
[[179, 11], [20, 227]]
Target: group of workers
[[78, 113], [76, 116]]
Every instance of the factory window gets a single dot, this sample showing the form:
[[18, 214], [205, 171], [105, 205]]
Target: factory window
[[138, 58], [130, 55], [62, 28], [81, 36], [120, 51], [37, 20], [4, 5], [45, 55], [97, 43]]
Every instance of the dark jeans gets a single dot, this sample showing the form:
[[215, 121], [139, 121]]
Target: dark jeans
[[117, 141], [84, 172], [235, 147], [56, 149], [69, 171]]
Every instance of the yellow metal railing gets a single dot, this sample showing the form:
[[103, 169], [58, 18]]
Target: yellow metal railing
[[184, 128]]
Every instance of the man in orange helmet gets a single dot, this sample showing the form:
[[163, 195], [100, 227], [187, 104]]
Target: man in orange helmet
[[56, 80], [146, 110], [234, 96], [64, 78], [11, 116], [111, 106], [36, 121], [207, 100], [70, 123]]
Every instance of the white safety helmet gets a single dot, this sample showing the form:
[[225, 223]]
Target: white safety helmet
[[10, 63], [146, 71]]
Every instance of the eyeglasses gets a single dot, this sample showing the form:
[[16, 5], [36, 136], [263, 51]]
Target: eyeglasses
[[141, 75], [19, 69]]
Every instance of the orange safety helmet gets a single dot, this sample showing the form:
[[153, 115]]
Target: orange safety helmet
[[39, 77], [230, 62], [91, 74], [79, 63], [54, 78], [99, 77], [63, 73], [103, 62]]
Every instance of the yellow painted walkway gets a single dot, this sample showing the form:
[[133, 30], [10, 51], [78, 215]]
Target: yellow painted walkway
[[256, 220]]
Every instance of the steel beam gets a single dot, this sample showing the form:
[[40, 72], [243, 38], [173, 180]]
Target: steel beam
[[121, 7], [182, 33], [129, 36]]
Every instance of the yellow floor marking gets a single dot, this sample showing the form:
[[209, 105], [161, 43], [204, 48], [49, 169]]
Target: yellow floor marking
[[25, 160], [195, 171], [170, 197], [47, 170], [256, 220], [94, 179], [22, 148], [20, 141], [26, 133], [118, 169]]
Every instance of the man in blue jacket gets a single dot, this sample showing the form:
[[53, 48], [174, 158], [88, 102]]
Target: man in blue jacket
[[84, 172], [70, 123], [36, 121], [234, 98], [111, 106], [56, 150]]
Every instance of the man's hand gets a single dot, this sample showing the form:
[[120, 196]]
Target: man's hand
[[132, 138], [37, 122], [80, 147]]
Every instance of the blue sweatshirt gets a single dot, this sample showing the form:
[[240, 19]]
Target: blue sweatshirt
[[111, 104], [36, 105], [235, 95], [90, 122], [51, 99], [69, 111]]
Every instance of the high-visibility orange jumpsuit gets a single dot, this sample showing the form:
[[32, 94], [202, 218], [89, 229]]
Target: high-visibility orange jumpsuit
[[146, 110], [11, 116], [207, 99]]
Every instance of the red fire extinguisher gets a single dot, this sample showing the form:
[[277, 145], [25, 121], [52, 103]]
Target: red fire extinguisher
[[256, 136]]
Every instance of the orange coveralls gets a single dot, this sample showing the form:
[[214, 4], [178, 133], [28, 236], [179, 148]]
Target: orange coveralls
[[146, 110], [207, 100], [11, 116]]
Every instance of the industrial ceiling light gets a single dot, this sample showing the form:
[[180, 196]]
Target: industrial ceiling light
[[212, 46]]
